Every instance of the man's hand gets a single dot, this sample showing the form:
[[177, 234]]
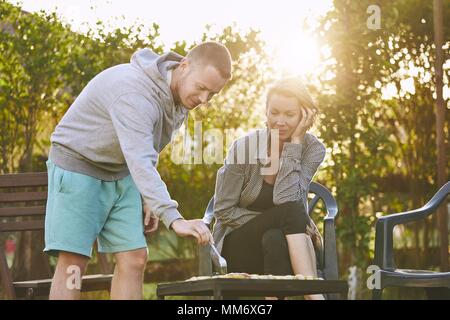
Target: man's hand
[[195, 228], [150, 220]]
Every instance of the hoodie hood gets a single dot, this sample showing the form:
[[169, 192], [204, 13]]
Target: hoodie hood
[[156, 67]]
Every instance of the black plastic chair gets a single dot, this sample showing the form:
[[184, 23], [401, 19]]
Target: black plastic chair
[[388, 275], [210, 262]]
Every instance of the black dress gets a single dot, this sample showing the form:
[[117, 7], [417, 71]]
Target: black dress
[[264, 199], [247, 249]]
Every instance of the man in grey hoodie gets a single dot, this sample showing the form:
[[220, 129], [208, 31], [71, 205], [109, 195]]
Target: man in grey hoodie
[[103, 157]]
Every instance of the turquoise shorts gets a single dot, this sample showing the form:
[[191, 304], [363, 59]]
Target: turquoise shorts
[[81, 209]]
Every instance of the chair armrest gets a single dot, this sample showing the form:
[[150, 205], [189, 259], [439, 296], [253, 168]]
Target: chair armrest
[[327, 198], [204, 261], [329, 255], [418, 214], [384, 238], [329, 229], [209, 256], [208, 253], [330, 250], [384, 246]]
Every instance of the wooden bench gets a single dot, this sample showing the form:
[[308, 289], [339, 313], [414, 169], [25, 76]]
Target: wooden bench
[[23, 199]]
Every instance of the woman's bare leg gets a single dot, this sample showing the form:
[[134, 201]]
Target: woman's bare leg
[[303, 258]]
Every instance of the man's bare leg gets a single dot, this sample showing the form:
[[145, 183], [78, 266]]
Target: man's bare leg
[[66, 282], [127, 283]]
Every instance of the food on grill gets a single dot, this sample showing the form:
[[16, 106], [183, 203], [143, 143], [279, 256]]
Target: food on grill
[[199, 278], [236, 275]]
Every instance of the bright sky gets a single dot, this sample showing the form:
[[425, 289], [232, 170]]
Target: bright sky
[[280, 21]]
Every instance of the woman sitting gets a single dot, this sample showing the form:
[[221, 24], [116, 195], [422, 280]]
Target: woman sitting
[[262, 187]]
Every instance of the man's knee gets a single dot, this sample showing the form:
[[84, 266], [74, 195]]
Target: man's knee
[[132, 261], [68, 260]]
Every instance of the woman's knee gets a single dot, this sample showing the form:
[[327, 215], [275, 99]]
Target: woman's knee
[[273, 240], [276, 253], [290, 208], [294, 218]]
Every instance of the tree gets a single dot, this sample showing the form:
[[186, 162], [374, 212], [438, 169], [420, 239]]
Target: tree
[[34, 50], [377, 97]]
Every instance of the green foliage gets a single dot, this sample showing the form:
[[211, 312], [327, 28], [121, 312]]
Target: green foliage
[[34, 52], [382, 151]]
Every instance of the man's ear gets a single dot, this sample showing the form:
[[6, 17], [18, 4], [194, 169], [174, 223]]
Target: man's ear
[[184, 64]]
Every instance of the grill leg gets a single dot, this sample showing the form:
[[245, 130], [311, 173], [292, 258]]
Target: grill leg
[[217, 294], [376, 294], [30, 294]]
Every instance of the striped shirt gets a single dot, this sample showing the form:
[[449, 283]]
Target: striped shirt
[[239, 180]]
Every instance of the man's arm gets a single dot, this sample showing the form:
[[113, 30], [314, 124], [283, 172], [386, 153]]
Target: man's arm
[[133, 117]]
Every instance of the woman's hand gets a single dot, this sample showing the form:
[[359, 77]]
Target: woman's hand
[[304, 125], [314, 234]]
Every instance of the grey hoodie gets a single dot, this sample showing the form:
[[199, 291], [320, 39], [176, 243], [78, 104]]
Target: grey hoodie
[[119, 124]]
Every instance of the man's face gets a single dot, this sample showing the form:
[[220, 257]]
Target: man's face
[[198, 84]]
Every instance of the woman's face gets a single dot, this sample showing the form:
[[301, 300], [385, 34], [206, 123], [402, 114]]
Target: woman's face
[[283, 113]]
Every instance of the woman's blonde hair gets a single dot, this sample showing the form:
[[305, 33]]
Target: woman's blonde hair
[[291, 87]]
